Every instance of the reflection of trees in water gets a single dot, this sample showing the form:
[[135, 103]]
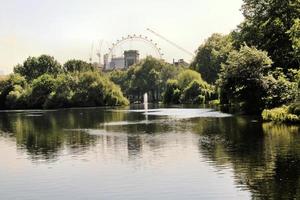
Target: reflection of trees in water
[[265, 158], [44, 136]]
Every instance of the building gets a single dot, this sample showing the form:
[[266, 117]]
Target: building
[[180, 62], [117, 63], [131, 57]]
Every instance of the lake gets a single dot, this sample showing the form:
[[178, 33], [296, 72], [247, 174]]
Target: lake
[[158, 153]]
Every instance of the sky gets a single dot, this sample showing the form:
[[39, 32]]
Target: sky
[[66, 29]]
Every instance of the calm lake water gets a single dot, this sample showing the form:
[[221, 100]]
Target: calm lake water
[[176, 153]]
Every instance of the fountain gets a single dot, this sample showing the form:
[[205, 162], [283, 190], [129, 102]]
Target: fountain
[[146, 101]]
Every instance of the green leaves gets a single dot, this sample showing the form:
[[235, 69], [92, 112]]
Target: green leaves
[[34, 67], [41, 83], [78, 66], [271, 25], [245, 79], [210, 55]]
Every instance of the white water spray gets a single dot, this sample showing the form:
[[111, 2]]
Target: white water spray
[[146, 101]]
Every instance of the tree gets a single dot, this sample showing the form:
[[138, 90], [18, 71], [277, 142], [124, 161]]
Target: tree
[[195, 93], [78, 66], [172, 92], [210, 55], [241, 78], [148, 76], [34, 67], [267, 26], [93, 89], [12, 91], [62, 94], [294, 34], [186, 77], [188, 87], [41, 88]]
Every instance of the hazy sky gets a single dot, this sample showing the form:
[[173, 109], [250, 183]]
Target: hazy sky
[[66, 29]]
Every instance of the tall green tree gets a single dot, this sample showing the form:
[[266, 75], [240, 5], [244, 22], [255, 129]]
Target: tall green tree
[[294, 33], [78, 66], [246, 80], [241, 79], [267, 26], [34, 67], [210, 55]]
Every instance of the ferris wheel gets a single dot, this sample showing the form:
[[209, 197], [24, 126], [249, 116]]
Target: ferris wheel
[[127, 43]]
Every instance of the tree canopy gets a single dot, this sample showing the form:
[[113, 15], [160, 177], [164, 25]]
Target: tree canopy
[[210, 55], [245, 79], [272, 25], [41, 83], [34, 67]]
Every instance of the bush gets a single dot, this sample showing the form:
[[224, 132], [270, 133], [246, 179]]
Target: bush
[[281, 114]]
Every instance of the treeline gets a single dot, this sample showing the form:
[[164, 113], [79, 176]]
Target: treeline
[[44, 83], [256, 66], [163, 82]]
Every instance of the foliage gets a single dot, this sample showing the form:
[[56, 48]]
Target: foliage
[[34, 67], [294, 34], [186, 77], [190, 87], [162, 81], [210, 55], [280, 89], [273, 26], [12, 91], [149, 76], [194, 93], [78, 66], [246, 80], [294, 108], [172, 92], [61, 96], [51, 87], [241, 79], [93, 89], [40, 90], [281, 114]]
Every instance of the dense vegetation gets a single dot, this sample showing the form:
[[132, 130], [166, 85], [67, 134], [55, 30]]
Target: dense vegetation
[[163, 82], [43, 83], [257, 65], [289, 114]]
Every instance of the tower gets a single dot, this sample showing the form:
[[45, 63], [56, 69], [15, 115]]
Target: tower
[[131, 57]]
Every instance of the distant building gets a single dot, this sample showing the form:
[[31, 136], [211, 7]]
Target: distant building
[[117, 63], [180, 62], [131, 57]]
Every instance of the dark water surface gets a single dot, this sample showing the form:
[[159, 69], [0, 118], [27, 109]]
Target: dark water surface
[[99, 153]]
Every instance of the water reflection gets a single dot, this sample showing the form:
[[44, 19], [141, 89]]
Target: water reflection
[[265, 158]]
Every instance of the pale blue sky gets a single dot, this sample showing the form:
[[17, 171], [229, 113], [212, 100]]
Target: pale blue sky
[[66, 29]]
